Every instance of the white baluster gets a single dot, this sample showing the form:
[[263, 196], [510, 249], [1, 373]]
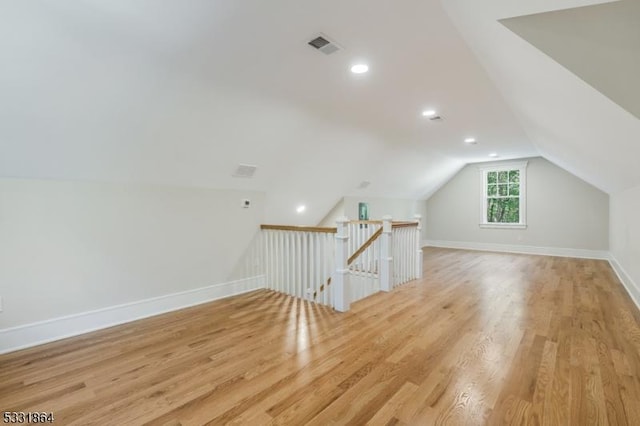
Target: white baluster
[[312, 267], [403, 257], [406, 254], [275, 258], [291, 263], [341, 275], [326, 271], [399, 259], [294, 263], [327, 255], [412, 256], [419, 259], [266, 252], [386, 255], [410, 253], [396, 254], [280, 283], [302, 265], [305, 264], [319, 266], [287, 260], [271, 251], [272, 256], [330, 248]]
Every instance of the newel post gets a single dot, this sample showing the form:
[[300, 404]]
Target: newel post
[[341, 300], [418, 247], [386, 258]]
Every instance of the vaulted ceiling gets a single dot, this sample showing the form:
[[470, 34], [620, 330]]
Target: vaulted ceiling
[[570, 118], [179, 93]]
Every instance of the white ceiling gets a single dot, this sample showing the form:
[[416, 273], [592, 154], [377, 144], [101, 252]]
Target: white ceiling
[[598, 43], [179, 93], [569, 121]]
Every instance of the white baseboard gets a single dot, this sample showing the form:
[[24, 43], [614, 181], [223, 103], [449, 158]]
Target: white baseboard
[[632, 288], [508, 248], [24, 336]]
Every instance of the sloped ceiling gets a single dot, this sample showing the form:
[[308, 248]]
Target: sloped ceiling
[[573, 121], [600, 44], [179, 93]]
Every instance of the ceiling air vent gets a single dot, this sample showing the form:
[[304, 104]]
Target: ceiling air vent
[[323, 44], [244, 171]]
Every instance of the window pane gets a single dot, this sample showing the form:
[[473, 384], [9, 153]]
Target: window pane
[[502, 190], [492, 209], [514, 189], [503, 177], [503, 210], [512, 214], [514, 176], [492, 190], [492, 177]]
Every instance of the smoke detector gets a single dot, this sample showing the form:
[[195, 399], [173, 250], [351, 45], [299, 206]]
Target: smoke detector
[[324, 44], [244, 171]]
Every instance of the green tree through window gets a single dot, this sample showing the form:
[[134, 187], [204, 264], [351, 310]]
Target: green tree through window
[[503, 195], [503, 189]]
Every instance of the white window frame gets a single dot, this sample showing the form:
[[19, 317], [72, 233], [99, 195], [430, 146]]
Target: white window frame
[[484, 171]]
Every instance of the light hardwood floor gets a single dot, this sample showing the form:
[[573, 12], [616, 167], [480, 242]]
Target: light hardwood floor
[[484, 338]]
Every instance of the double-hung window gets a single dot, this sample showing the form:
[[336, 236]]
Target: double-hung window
[[504, 201]]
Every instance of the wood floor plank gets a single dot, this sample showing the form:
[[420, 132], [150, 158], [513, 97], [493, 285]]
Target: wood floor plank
[[484, 338]]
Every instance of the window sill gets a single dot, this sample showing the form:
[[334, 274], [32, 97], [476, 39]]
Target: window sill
[[502, 226]]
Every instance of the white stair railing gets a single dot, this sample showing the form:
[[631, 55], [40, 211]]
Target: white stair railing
[[407, 252], [364, 263], [337, 266], [299, 261], [360, 231]]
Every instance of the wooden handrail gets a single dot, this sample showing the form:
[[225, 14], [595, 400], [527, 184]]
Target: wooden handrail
[[300, 228], [367, 222], [328, 230], [315, 293], [353, 258], [404, 224], [367, 243]]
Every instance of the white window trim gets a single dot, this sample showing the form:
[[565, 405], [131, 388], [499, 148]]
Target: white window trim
[[520, 165]]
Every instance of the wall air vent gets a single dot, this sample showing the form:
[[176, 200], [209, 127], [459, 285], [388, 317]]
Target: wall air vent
[[324, 44], [244, 171]]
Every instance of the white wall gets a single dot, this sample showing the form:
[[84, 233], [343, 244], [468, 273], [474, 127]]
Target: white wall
[[625, 238], [71, 247], [334, 214], [398, 208], [562, 211]]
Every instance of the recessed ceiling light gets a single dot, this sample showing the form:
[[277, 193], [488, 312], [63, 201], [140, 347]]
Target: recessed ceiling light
[[301, 209], [470, 140], [493, 155], [428, 113], [360, 68]]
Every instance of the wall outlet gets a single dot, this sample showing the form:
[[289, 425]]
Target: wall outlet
[[246, 203]]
